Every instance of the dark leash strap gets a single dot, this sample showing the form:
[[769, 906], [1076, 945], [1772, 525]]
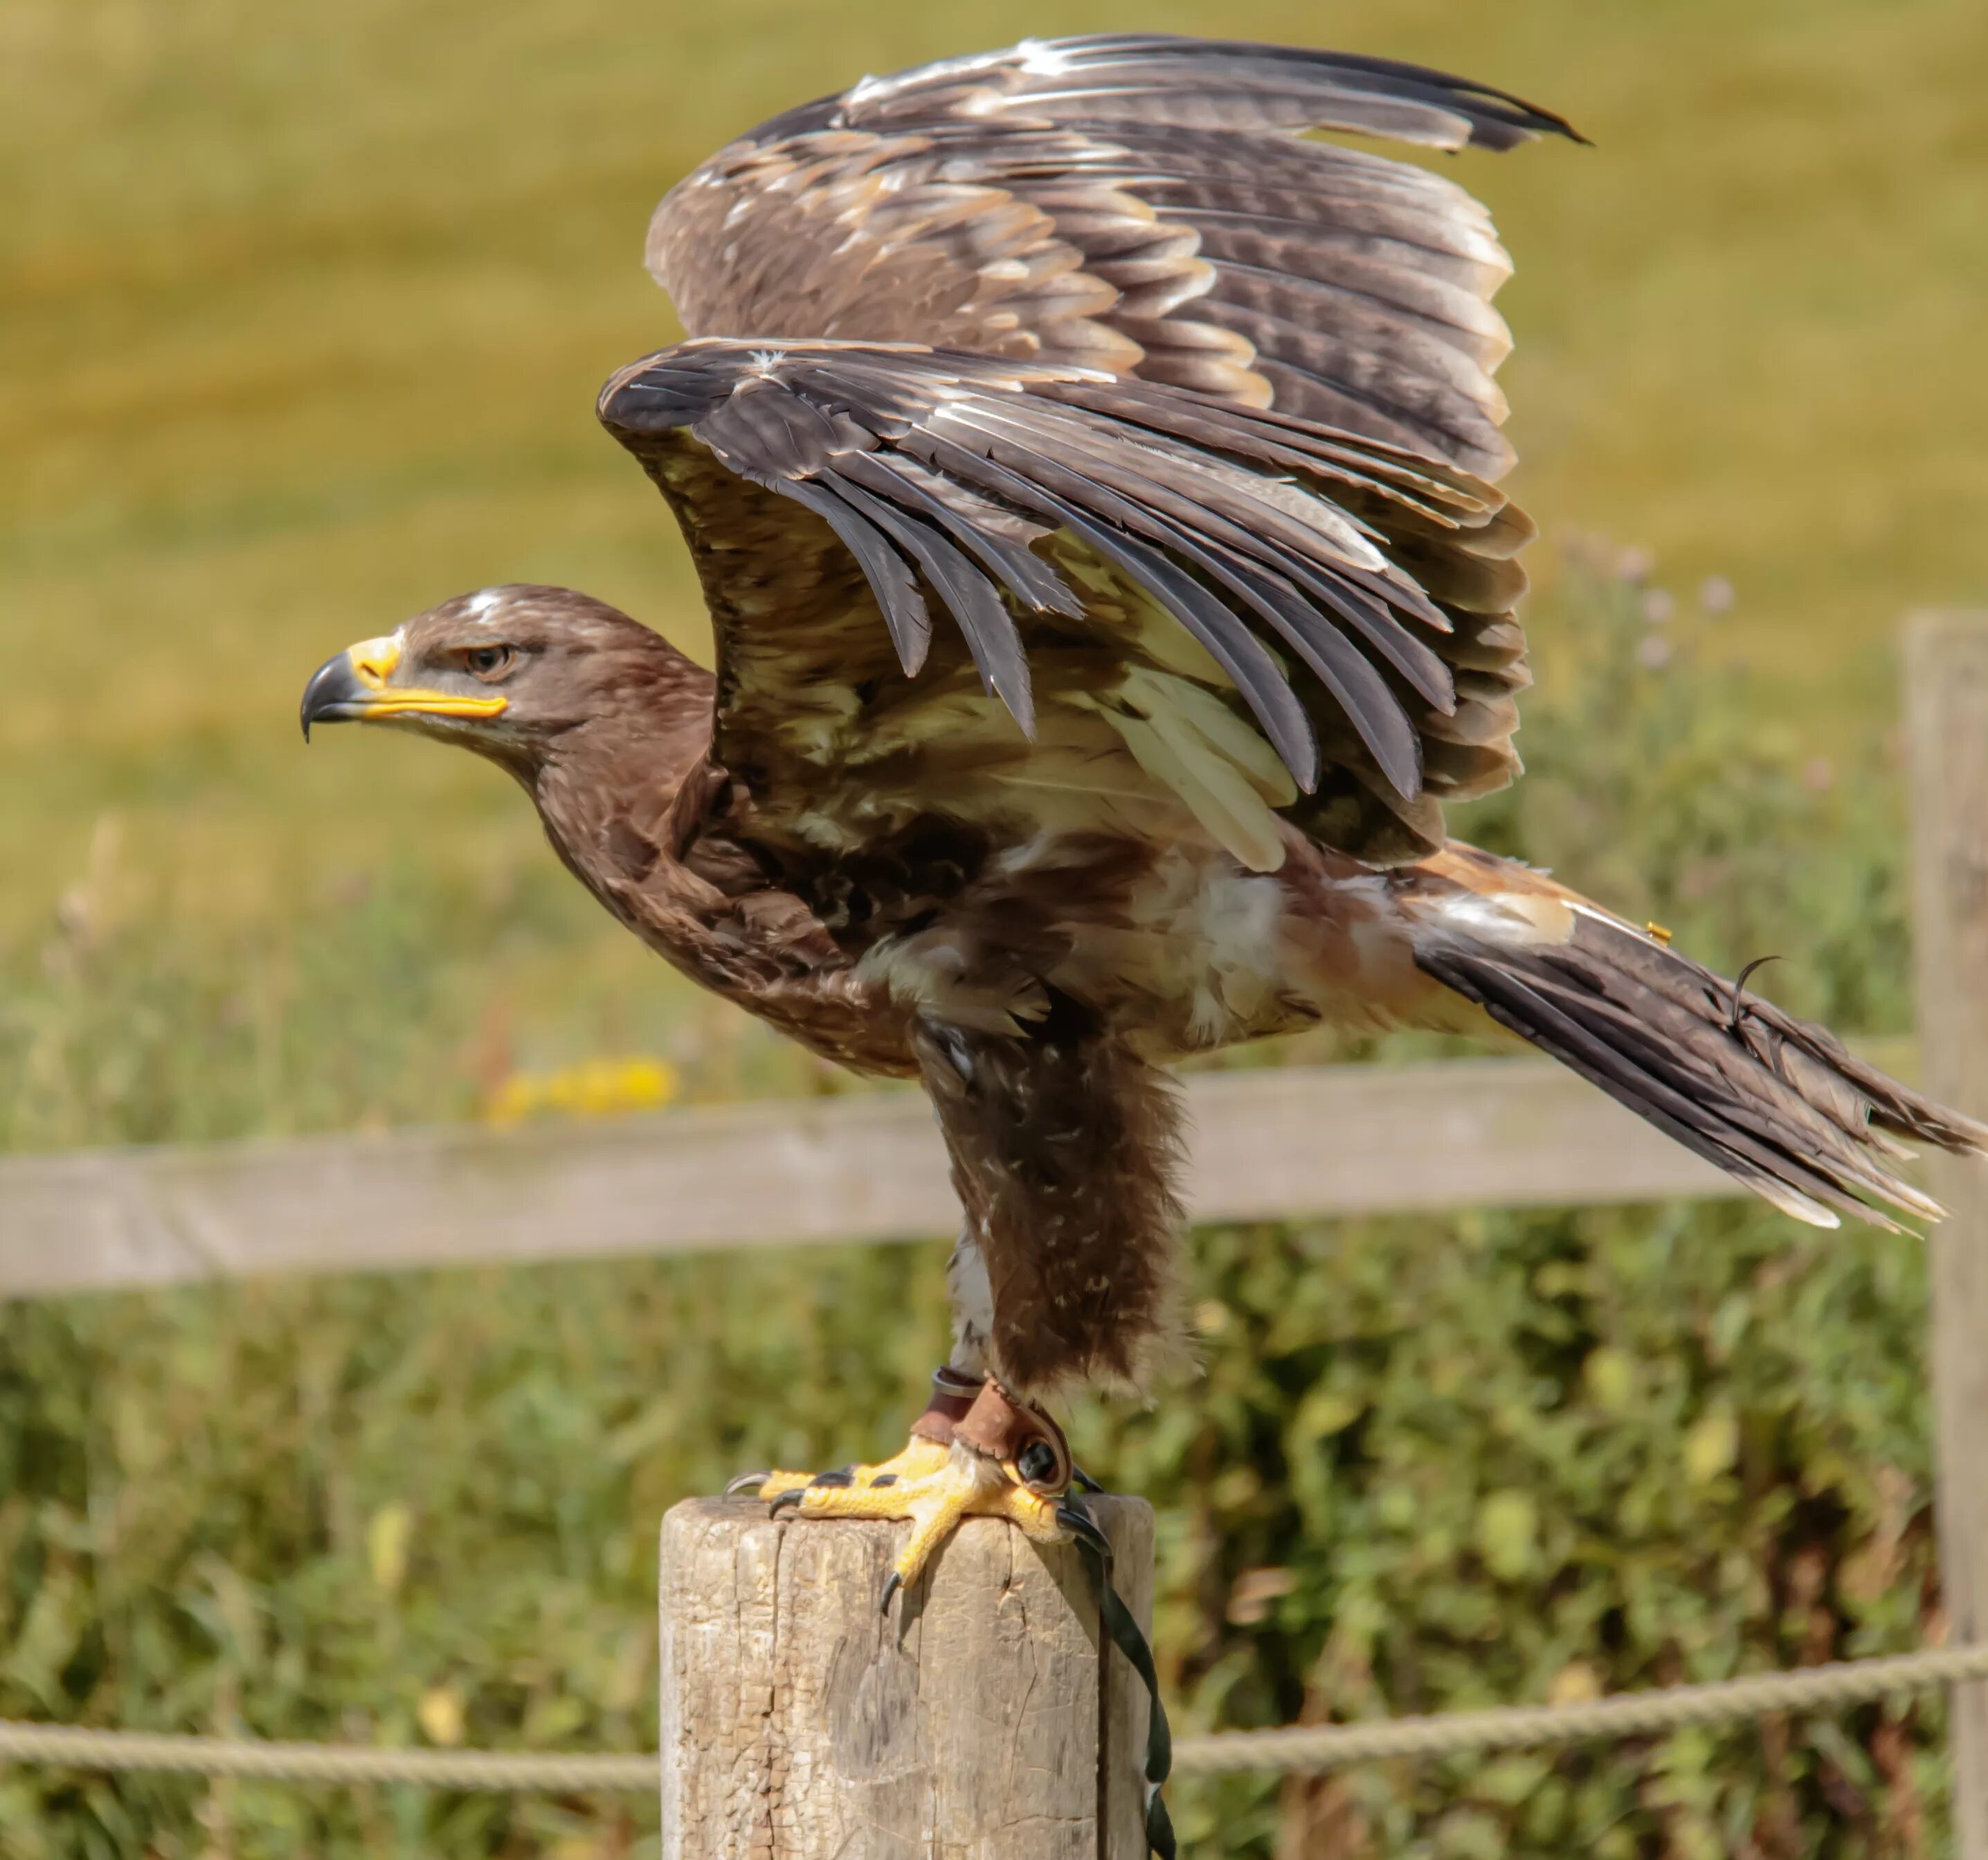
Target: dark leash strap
[[1123, 1632], [978, 1411]]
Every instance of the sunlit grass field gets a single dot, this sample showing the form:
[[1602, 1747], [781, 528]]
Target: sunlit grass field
[[304, 312]]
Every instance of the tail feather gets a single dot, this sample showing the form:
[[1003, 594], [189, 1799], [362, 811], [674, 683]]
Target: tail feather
[[1779, 1104]]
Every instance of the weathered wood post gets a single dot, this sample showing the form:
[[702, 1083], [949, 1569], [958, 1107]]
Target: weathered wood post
[[982, 1719], [1946, 734]]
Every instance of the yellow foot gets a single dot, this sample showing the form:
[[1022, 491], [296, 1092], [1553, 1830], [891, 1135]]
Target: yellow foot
[[1006, 1461], [918, 1457], [934, 1486]]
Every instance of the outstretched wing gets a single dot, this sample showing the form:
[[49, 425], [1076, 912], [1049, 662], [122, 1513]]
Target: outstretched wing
[[1189, 610], [1136, 204]]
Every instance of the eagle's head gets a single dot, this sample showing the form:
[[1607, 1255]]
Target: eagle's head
[[508, 671]]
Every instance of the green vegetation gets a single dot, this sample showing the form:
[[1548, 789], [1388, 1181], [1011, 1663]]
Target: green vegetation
[[304, 316], [1431, 1462]]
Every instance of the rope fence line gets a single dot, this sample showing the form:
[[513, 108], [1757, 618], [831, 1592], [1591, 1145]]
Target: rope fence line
[[1314, 1749], [81, 1747], [1629, 1714]]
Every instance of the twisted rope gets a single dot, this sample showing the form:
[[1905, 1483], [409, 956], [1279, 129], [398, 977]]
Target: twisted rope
[[1315, 1749], [74, 1747], [1535, 1726]]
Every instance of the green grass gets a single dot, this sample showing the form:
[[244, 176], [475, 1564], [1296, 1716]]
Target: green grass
[[305, 314]]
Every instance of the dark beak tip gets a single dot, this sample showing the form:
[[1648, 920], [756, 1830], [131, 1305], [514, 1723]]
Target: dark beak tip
[[332, 687]]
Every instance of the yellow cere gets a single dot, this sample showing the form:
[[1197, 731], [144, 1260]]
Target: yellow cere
[[599, 1088], [375, 661]]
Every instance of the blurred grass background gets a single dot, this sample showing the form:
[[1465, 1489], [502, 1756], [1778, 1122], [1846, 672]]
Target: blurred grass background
[[301, 322], [306, 310]]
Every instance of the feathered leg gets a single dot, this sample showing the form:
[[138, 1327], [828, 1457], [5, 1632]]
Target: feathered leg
[[1064, 1147], [972, 1307]]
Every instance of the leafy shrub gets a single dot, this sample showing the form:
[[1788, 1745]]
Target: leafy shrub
[[1430, 1463]]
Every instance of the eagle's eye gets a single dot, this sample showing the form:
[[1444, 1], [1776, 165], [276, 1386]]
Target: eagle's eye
[[488, 661]]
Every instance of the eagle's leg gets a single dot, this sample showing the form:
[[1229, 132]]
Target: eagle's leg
[[977, 1451], [1063, 1142]]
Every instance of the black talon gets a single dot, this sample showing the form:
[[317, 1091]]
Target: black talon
[[1080, 1525], [783, 1501], [842, 1476], [1083, 1482], [883, 1480], [891, 1586], [746, 1482]]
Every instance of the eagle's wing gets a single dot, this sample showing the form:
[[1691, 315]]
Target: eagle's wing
[[1192, 610], [1136, 204]]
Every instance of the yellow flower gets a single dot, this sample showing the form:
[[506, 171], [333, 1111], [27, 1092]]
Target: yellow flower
[[1610, 1375], [1576, 1683], [439, 1712], [597, 1088]]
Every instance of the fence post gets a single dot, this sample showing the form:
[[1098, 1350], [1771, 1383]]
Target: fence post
[[1946, 736], [977, 1720]]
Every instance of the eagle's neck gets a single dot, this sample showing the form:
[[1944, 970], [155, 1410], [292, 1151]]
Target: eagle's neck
[[633, 804], [607, 790]]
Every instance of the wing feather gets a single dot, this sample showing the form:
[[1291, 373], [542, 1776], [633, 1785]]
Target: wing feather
[[1238, 652], [1163, 516], [1356, 686], [1259, 518], [1141, 204], [1027, 577], [1084, 538], [989, 627], [1232, 811], [889, 575]]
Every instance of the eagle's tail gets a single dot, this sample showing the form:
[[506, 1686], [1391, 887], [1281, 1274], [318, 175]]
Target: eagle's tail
[[1779, 1104]]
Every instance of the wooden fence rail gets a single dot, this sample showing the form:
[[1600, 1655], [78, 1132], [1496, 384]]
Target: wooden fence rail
[[1331, 1139]]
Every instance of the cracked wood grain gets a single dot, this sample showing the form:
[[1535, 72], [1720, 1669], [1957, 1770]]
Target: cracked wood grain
[[800, 1723]]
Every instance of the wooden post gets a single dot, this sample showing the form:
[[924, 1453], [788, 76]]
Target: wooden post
[[977, 1720], [1946, 734]]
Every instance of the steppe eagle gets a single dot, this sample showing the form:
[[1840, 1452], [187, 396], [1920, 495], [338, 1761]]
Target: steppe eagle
[[1092, 479]]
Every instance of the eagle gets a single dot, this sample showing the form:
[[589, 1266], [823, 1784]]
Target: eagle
[[1092, 475]]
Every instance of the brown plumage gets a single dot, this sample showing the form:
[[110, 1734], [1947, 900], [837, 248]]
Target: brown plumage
[[1091, 483]]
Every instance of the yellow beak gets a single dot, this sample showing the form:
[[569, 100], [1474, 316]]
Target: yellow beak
[[357, 686]]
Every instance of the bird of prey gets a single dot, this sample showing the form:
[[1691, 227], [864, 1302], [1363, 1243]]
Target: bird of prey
[[1091, 473]]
